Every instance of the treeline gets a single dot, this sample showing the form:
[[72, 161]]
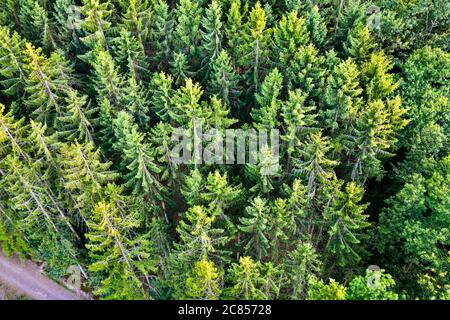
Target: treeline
[[92, 91]]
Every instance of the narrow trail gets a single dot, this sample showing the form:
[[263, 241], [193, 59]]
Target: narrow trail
[[25, 278]]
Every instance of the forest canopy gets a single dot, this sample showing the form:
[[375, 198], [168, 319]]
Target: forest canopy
[[354, 204]]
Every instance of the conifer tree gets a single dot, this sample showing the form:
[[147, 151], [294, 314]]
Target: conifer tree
[[84, 174], [187, 34], [199, 239], [136, 18], [47, 80], [346, 217], [224, 82], [307, 71], [254, 224], [298, 120], [265, 116], [11, 61], [254, 50], [135, 101], [137, 158], [203, 282], [96, 25], [316, 26], [211, 42], [314, 163], [116, 253], [289, 35], [246, 279], [219, 194], [343, 95], [161, 95], [303, 262], [130, 54], [359, 43], [161, 34], [78, 119], [233, 29]]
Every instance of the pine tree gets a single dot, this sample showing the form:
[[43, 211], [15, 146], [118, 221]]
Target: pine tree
[[313, 162], [302, 262], [84, 174], [160, 138], [130, 54], [116, 253], [316, 26], [179, 67], [359, 43], [298, 120], [161, 34], [137, 158], [11, 62], [307, 71], [108, 83], [97, 26], [78, 119], [265, 116], [135, 101], [47, 80], [343, 95], [203, 282], [289, 35], [137, 18], [254, 224], [254, 50], [187, 34], [218, 194], [233, 29], [373, 138], [380, 84], [246, 279], [161, 94], [193, 187], [199, 239], [224, 82], [211, 42], [347, 219]]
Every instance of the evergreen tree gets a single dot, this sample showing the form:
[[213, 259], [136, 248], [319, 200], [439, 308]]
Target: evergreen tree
[[346, 218], [187, 34], [313, 162], [316, 26], [255, 225], [78, 119], [84, 174], [161, 94], [268, 101], [211, 31], [11, 61], [289, 35], [161, 33], [224, 82], [254, 50], [203, 282], [137, 158], [116, 253], [246, 279]]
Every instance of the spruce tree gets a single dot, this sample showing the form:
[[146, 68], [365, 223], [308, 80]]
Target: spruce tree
[[254, 49], [254, 225]]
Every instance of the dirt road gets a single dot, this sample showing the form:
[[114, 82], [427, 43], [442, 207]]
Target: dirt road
[[25, 278]]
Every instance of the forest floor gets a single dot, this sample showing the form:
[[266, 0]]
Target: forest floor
[[27, 279]]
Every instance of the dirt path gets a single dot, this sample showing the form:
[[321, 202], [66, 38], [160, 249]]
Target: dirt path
[[25, 278]]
